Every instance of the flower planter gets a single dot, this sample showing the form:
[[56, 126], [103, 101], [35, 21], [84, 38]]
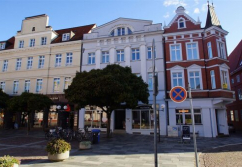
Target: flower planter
[[59, 157], [83, 145]]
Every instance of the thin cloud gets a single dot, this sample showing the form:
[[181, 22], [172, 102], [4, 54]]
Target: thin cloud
[[196, 10], [166, 15], [174, 2], [204, 7], [196, 2]]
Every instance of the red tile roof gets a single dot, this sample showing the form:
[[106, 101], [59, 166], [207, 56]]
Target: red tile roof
[[9, 43], [235, 58], [78, 31]]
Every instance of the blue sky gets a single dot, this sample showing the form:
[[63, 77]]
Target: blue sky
[[72, 13]]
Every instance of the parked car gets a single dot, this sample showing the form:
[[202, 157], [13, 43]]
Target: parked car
[[231, 128]]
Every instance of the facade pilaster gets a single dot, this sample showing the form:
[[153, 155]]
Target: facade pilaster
[[98, 58], [127, 54], [143, 66], [112, 55]]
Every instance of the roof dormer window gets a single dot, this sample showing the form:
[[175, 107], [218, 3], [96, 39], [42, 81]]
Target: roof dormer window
[[119, 31], [2, 45], [66, 37], [181, 23]]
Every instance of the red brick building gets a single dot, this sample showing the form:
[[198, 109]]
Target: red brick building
[[234, 110], [198, 56]]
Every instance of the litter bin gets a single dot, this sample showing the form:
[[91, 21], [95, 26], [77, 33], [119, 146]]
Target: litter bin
[[96, 136]]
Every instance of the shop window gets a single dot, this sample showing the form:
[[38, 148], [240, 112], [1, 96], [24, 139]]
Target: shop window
[[231, 115], [143, 119], [185, 116], [95, 119]]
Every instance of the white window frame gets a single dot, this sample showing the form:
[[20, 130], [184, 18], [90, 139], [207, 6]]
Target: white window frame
[[177, 78], [135, 54], [175, 51], [91, 58], [179, 21], [67, 82], [58, 60], [56, 88], [2, 45], [210, 50], [43, 40], [177, 70], [21, 44], [41, 62], [120, 31], [221, 50], [15, 87], [2, 86], [192, 49], [5, 66], [200, 76], [237, 78], [69, 59], [29, 63], [213, 79], [66, 37], [18, 64], [27, 86], [119, 55], [105, 57], [149, 51], [221, 77], [39, 83], [32, 42]]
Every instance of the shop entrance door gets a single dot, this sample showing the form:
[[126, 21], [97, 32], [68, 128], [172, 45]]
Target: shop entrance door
[[221, 121], [119, 119]]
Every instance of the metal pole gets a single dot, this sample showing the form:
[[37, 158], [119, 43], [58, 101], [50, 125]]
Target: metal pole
[[154, 105], [193, 126]]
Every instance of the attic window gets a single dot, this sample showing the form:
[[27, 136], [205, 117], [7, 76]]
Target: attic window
[[112, 33], [121, 31], [2, 45], [66, 37], [33, 29], [181, 23]]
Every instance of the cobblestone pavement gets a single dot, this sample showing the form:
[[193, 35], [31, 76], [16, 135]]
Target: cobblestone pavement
[[125, 150]]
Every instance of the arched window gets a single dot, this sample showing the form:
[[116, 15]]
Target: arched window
[[181, 23], [119, 31], [129, 31], [112, 33]]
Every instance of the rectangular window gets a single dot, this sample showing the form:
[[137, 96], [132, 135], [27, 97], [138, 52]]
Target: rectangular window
[[21, 44], [231, 115], [56, 87], [2, 86], [192, 51], [95, 118], [29, 62], [91, 58], [5, 65], [58, 60], [32, 43], [177, 79], [221, 49], [239, 94], [238, 78], [18, 64], [27, 85], [224, 79], [2, 45], [143, 119], [120, 55], [121, 31], [232, 81], [135, 54], [66, 37], [149, 53], [39, 85], [175, 52], [15, 87], [67, 82], [184, 115], [194, 78], [213, 82], [105, 57], [41, 61], [43, 40], [210, 53], [236, 115], [68, 59]]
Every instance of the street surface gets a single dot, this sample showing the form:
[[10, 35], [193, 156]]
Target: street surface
[[124, 150]]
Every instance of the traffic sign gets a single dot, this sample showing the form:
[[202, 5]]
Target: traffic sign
[[178, 94]]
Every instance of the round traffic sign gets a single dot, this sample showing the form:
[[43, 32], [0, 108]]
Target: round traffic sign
[[178, 94]]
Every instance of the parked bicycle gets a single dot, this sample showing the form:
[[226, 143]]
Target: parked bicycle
[[58, 133], [82, 134]]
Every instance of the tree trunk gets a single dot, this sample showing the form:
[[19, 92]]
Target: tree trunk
[[108, 125], [29, 122]]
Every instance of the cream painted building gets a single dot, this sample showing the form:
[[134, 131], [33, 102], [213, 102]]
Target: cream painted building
[[39, 59]]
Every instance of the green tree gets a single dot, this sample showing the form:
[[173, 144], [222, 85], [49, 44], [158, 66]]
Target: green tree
[[3, 99], [108, 89], [28, 103]]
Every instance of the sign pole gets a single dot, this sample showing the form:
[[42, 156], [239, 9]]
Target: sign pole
[[193, 126], [154, 104]]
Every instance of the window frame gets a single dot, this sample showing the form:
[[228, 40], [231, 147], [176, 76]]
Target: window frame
[[21, 44], [32, 42], [135, 54], [39, 85], [119, 55], [120, 31], [41, 62], [237, 78], [2, 45], [66, 37], [180, 46], [18, 64], [192, 49], [26, 85], [149, 52], [213, 79], [210, 50], [239, 94], [183, 116], [5, 66], [222, 78], [66, 81], [105, 56], [15, 87], [181, 20], [29, 63], [2, 85], [91, 58], [57, 81], [58, 58], [43, 40], [221, 50], [200, 77], [69, 58]]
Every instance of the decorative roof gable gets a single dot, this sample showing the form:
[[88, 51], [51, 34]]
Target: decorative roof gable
[[212, 19]]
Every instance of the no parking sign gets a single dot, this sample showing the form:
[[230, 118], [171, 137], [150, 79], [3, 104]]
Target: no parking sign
[[178, 94]]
